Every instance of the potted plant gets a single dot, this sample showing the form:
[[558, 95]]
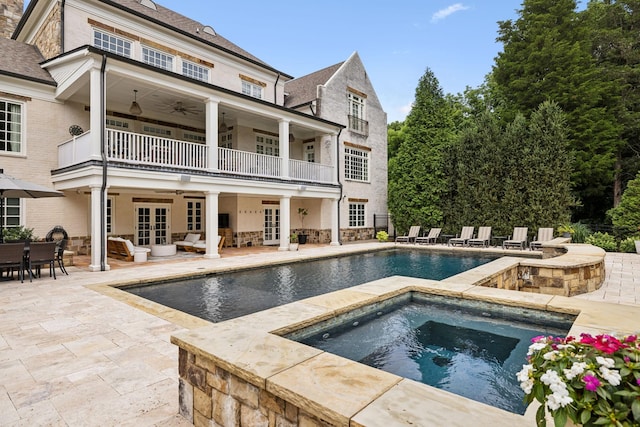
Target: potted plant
[[293, 242], [566, 230], [585, 381], [302, 213], [18, 233]]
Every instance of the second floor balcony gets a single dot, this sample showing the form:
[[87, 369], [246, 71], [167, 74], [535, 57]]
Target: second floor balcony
[[139, 149]]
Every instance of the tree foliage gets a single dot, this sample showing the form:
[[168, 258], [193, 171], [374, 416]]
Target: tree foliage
[[417, 179], [626, 216], [548, 56], [513, 176]]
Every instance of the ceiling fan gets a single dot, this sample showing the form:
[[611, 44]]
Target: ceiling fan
[[182, 107], [176, 192]]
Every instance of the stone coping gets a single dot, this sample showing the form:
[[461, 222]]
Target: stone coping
[[347, 393]]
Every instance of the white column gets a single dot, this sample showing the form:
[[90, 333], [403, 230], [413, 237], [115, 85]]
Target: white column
[[96, 230], [211, 219], [335, 156], [96, 100], [211, 112], [335, 227], [283, 131], [285, 222]]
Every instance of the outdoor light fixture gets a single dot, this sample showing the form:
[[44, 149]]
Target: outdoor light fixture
[[135, 107], [291, 138], [223, 126]]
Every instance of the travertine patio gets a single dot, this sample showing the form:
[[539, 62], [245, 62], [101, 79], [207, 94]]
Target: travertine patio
[[72, 356]]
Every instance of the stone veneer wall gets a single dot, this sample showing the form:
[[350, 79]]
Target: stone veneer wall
[[48, 37], [548, 280], [211, 396], [10, 14]]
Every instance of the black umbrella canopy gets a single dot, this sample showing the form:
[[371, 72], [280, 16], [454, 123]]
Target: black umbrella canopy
[[11, 187]]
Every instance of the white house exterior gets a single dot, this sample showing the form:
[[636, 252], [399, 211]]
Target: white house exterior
[[153, 125]]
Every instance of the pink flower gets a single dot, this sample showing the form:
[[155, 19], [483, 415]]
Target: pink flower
[[591, 383], [587, 339], [631, 338], [608, 344], [638, 381]]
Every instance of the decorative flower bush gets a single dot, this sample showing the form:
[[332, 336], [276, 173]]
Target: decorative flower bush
[[593, 381], [382, 236]]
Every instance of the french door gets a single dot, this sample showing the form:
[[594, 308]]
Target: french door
[[271, 225], [152, 224]]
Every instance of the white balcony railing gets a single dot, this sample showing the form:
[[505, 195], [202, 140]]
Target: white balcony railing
[[142, 149]]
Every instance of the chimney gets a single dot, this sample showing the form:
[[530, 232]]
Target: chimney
[[10, 14]]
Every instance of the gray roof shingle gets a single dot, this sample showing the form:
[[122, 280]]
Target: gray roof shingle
[[22, 60], [168, 17], [303, 89]]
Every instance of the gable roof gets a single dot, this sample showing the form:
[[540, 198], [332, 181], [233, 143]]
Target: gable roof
[[303, 89], [173, 21], [23, 61]]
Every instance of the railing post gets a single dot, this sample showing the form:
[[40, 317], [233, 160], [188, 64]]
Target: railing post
[[211, 107]]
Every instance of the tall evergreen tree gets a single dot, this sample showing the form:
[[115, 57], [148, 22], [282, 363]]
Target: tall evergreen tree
[[614, 26], [547, 56], [417, 179]]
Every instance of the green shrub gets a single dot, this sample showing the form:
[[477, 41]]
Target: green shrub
[[626, 216], [603, 240], [18, 233], [628, 244], [382, 236], [580, 233]]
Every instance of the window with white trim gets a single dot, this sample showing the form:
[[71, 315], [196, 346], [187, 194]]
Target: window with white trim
[[11, 212], [111, 43], [157, 58], [109, 216], [226, 140], [152, 130], [195, 71], [251, 89], [194, 216], [267, 145], [309, 153], [356, 164], [117, 124], [357, 215], [11, 117], [194, 137], [356, 106]]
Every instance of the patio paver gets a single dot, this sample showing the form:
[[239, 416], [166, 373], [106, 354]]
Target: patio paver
[[70, 356]]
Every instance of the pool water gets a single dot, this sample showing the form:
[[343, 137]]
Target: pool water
[[229, 295], [470, 348]]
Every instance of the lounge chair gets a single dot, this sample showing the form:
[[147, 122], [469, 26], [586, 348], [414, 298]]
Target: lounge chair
[[483, 238], [517, 240], [123, 249], [544, 235], [430, 238], [201, 245], [411, 236], [188, 241], [465, 235]]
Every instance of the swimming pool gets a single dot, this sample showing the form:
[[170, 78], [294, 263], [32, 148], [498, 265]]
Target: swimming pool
[[470, 348], [225, 296]]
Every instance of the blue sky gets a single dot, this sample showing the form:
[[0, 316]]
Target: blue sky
[[397, 41]]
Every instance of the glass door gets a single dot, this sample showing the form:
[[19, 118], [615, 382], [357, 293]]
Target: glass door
[[271, 225], [152, 224]]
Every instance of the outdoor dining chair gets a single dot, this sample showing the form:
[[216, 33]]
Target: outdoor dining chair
[[12, 257], [42, 253]]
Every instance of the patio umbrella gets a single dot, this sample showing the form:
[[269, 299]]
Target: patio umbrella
[[11, 187]]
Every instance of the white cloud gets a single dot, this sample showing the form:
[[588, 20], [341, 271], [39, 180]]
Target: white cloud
[[405, 109], [443, 13]]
